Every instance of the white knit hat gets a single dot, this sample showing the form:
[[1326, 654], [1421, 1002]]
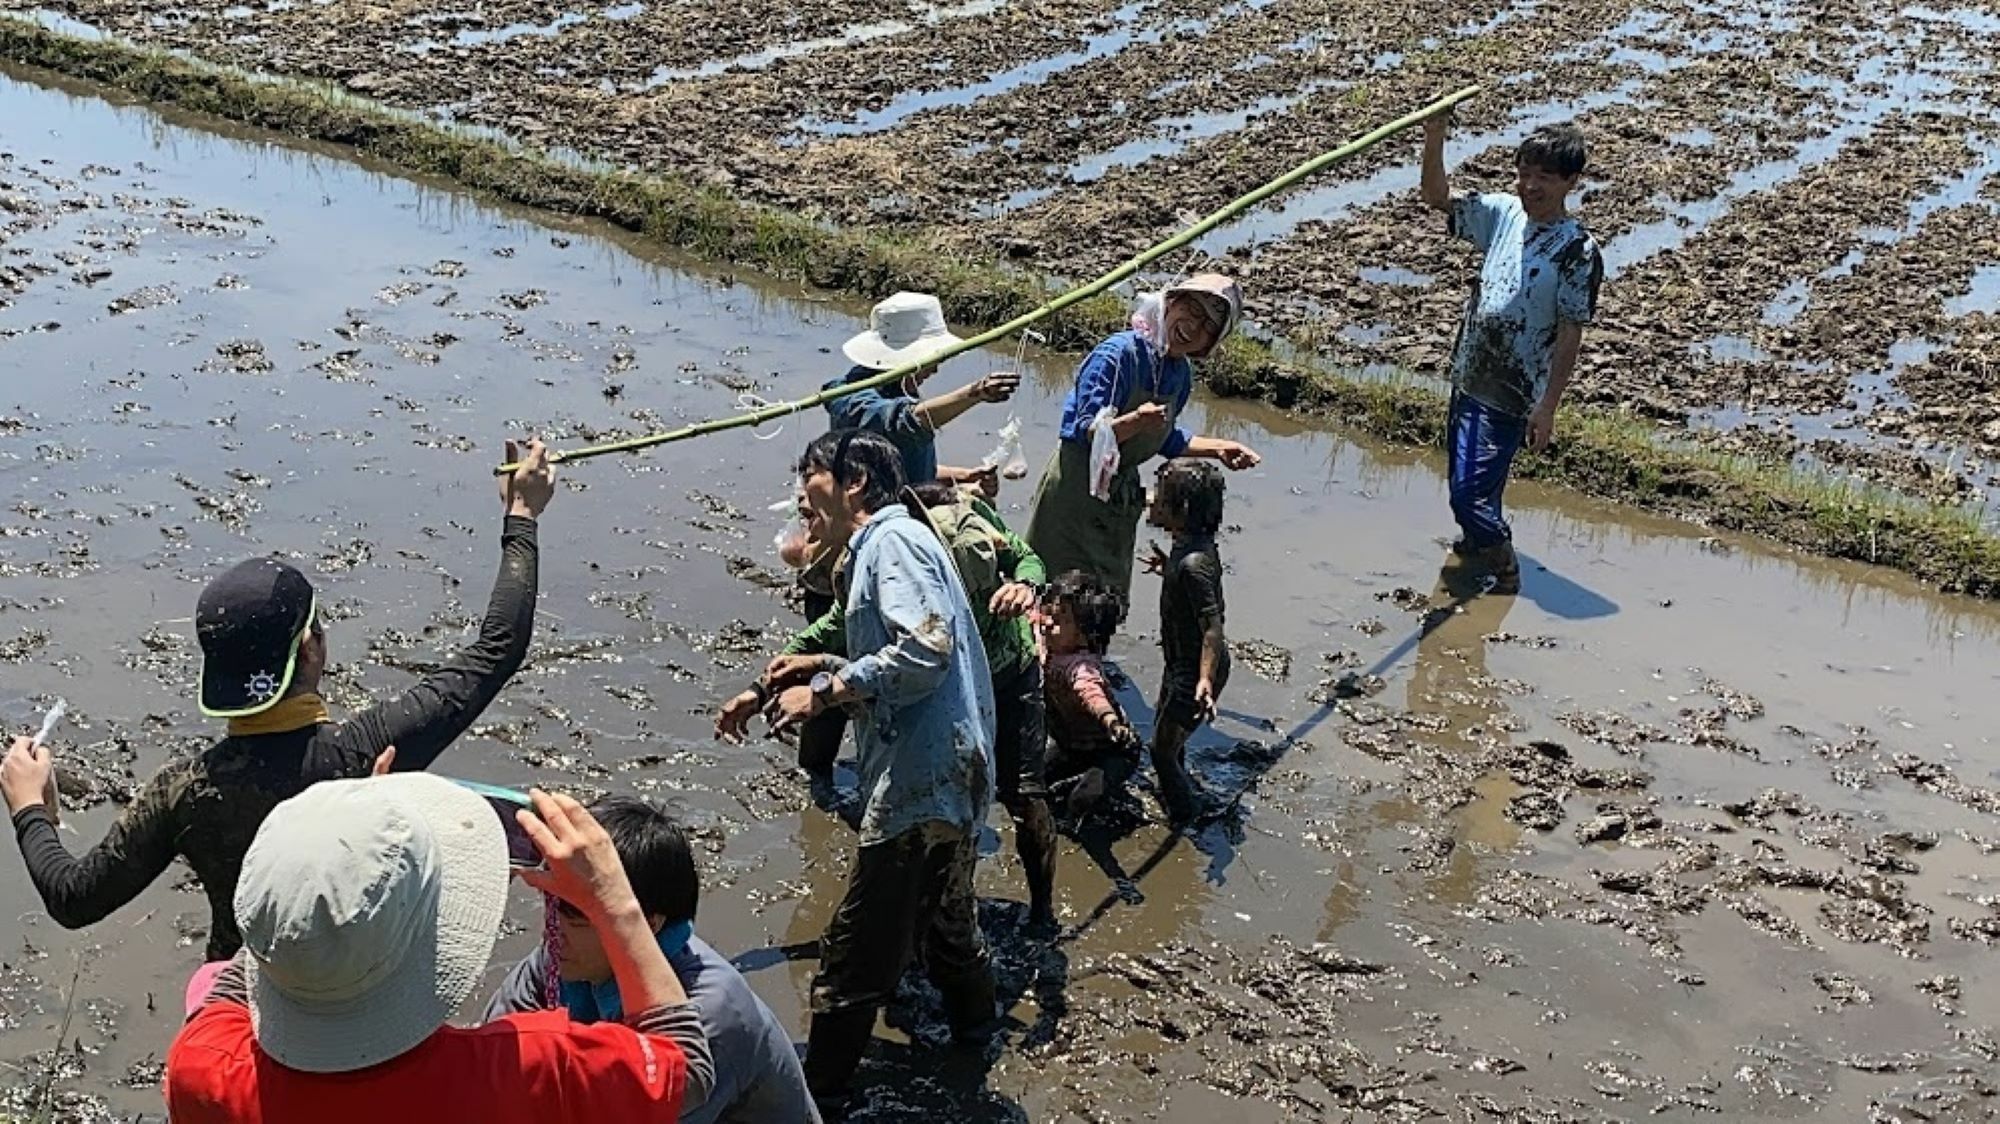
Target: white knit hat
[[369, 908]]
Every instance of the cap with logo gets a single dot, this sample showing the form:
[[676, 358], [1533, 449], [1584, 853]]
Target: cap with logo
[[250, 622]]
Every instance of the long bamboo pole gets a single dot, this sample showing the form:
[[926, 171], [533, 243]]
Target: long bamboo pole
[[1077, 295]]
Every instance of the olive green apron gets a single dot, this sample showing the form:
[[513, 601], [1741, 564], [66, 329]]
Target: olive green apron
[[1070, 529]]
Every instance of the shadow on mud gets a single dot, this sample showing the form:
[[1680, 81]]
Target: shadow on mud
[[1562, 597], [1229, 768]]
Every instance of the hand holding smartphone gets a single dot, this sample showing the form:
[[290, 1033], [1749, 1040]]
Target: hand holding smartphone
[[522, 854]]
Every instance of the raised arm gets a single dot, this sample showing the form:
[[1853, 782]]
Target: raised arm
[[422, 721], [1435, 188], [947, 407], [584, 870]]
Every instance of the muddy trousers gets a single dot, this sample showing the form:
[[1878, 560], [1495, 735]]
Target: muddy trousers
[[908, 893], [1021, 757], [1177, 788], [1480, 443]]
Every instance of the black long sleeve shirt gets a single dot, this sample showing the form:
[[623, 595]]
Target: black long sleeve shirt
[[207, 808]]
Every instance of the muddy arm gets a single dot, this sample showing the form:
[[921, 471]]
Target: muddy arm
[[138, 849], [936, 413], [1435, 187], [1569, 343], [430, 716]]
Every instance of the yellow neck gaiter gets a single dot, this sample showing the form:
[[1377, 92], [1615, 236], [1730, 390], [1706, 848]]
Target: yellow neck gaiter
[[294, 713]]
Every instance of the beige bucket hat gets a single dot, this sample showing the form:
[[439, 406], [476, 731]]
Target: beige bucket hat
[[1223, 294], [369, 908], [906, 328]]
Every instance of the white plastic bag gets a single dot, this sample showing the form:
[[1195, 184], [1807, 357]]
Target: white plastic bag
[[790, 541], [1007, 456], [1103, 454]]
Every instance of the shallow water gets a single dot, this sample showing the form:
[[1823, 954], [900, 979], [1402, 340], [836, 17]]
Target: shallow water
[[409, 328]]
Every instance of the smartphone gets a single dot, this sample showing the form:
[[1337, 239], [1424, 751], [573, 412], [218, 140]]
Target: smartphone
[[522, 854]]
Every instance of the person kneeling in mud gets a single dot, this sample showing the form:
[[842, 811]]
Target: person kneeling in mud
[[1187, 504], [1001, 574], [1096, 748]]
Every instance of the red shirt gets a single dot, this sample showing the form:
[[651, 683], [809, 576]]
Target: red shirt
[[535, 1068]]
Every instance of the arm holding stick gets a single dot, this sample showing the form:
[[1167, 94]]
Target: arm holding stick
[[1435, 187], [1053, 306]]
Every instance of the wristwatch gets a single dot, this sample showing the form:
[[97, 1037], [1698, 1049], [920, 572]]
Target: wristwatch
[[822, 689]]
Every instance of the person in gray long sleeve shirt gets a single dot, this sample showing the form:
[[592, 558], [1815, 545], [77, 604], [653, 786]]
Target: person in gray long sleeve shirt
[[758, 1078]]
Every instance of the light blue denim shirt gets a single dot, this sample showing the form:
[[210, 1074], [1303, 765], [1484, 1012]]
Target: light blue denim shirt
[[915, 658]]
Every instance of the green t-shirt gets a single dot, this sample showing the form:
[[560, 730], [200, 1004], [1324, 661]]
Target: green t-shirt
[[988, 555]]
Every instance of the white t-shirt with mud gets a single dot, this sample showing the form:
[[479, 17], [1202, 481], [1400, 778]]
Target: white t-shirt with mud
[[1534, 276]]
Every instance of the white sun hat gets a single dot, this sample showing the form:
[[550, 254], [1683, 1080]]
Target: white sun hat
[[369, 908], [906, 328]]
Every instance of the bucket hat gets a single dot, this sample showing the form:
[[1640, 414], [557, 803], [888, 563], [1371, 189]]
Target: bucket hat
[[250, 621], [369, 908], [1223, 294], [906, 328]]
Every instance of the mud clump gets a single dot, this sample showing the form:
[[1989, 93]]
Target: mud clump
[[152, 296], [1266, 659]]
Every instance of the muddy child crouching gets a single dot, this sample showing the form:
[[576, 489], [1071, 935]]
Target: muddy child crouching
[[1187, 503], [1096, 748]]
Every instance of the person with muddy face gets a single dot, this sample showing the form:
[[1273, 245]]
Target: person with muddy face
[[1523, 327], [1096, 748], [910, 328], [1001, 576], [917, 681], [1187, 504], [1135, 384], [264, 650]]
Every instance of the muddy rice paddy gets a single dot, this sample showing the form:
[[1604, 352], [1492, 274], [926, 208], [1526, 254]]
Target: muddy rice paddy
[[1798, 202], [1686, 831]]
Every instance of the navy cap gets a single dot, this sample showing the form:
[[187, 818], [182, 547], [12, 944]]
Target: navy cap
[[250, 621]]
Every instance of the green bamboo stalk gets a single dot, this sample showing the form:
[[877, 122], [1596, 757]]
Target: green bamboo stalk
[[1077, 295]]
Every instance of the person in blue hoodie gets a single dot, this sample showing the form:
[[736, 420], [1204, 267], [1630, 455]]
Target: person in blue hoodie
[[758, 1077], [1137, 382]]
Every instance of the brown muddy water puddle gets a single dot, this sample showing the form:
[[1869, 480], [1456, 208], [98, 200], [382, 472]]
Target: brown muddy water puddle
[[1689, 829]]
